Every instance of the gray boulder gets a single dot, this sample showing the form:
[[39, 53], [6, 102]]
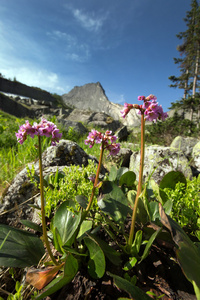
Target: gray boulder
[[196, 157], [159, 161], [122, 159], [87, 117], [122, 133], [78, 127], [21, 193], [184, 144]]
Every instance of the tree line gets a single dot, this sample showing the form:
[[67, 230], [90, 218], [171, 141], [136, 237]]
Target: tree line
[[189, 64]]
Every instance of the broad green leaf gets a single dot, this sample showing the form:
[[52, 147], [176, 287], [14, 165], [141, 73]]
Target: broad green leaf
[[134, 291], [143, 214], [66, 222], [57, 240], [96, 264], [154, 210], [70, 270], [168, 206], [169, 181], [109, 252], [82, 201], [187, 253], [113, 173], [32, 225], [86, 226], [120, 172], [20, 249], [114, 202], [128, 179], [73, 251]]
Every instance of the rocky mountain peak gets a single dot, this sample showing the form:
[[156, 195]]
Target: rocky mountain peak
[[92, 96]]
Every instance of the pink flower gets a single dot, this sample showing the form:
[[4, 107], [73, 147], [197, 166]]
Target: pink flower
[[45, 127], [126, 109], [107, 140], [152, 111], [141, 98]]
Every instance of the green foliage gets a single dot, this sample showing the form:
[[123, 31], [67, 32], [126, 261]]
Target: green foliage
[[75, 182], [27, 250], [71, 134], [186, 205], [163, 133]]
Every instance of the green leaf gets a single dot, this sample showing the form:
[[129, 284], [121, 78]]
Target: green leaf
[[128, 179], [113, 173], [73, 251], [96, 264], [137, 243], [32, 225], [86, 226], [187, 253], [66, 222], [134, 291], [169, 181], [82, 201], [109, 252], [154, 210], [57, 240], [149, 243], [20, 249], [168, 206], [70, 270], [114, 202], [130, 264]]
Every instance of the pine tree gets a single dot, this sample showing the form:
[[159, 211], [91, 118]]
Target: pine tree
[[189, 61]]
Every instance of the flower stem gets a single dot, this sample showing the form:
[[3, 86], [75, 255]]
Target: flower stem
[[139, 189], [44, 229], [96, 179]]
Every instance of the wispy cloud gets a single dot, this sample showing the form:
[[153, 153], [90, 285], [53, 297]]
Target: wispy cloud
[[34, 76], [73, 49], [89, 21]]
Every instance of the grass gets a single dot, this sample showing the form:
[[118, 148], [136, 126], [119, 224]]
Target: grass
[[13, 156]]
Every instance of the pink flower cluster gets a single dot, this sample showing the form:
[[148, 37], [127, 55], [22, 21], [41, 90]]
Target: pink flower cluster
[[152, 111], [107, 140], [45, 127]]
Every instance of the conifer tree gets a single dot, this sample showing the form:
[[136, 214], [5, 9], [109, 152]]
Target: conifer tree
[[189, 62]]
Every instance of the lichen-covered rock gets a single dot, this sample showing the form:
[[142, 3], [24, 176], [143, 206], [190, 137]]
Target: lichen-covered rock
[[78, 127], [184, 144], [196, 156], [159, 161], [122, 159], [122, 133], [22, 192]]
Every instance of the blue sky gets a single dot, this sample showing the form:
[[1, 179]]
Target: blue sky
[[126, 45]]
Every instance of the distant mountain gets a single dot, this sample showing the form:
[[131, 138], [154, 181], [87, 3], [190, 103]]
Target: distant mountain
[[18, 88], [92, 97]]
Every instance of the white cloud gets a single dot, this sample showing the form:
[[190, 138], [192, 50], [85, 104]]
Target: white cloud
[[32, 76], [89, 21], [73, 50], [62, 36]]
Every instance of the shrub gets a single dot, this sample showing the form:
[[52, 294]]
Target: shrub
[[75, 182], [186, 205]]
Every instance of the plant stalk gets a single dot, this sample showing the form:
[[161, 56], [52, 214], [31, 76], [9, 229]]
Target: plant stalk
[[96, 179], [44, 229], [139, 189]]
